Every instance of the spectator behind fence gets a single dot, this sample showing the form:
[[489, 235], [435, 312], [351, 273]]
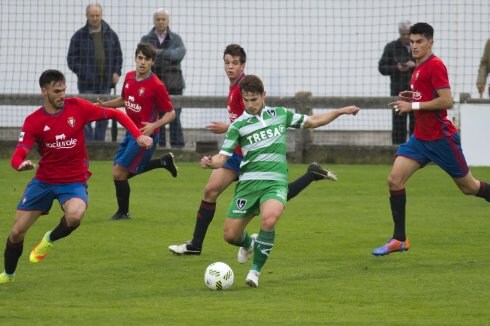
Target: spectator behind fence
[[484, 70], [397, 62], [170, 53], [95, 56]]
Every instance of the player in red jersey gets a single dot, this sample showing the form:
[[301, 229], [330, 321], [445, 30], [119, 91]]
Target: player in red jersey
[[234, 58], [143, 96], [58, 130], [435, 138]]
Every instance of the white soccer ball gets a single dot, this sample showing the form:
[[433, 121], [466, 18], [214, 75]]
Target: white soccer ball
[[218, 276]]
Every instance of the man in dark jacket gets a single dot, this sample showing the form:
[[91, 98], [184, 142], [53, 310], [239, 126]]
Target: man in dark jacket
[[170, 53], [95, 56], [397, 62]]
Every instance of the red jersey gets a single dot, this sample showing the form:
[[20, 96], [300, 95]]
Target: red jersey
[[61, 141], [145, 99], [427, 78], [235, 105]]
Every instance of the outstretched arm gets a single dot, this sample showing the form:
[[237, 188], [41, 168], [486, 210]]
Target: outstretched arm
[[115, 103], [214, 162], [19, 161], [217, 127], [126, 122], [318, 120], [443, 101]]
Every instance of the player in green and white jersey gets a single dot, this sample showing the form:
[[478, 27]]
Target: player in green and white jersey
[[263, 182]]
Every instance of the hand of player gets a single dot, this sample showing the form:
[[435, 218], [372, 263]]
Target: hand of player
[[144, 141], [148, 128], [401, 106], [217, 127], [405, 96], [350, 110], [206, 161], [26, 165], [99, 102]]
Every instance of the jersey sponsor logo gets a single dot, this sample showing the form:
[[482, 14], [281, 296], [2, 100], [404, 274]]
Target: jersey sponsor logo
[[130, 105], [71, 121], [21, 136], [240, 203], [46, 128], [61, 142], [141, 91], [265, 134]]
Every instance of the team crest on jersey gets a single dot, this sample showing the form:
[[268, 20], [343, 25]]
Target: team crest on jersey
[[417, 75], [272, 113], [71, 121], [141, 91], [241, 203]]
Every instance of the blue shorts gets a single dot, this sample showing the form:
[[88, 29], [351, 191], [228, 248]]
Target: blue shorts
[[445, 152], [233, 163], [39, 196], [133, 157]]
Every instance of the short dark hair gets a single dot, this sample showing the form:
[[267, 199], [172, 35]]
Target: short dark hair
[[49, 76], [236, 50], [252, 84], [147, 49], [422, 29]]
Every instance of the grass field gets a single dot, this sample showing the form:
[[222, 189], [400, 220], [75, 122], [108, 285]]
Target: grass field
[[321, 271]]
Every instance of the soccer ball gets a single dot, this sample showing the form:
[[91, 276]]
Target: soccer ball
[[218, 276]]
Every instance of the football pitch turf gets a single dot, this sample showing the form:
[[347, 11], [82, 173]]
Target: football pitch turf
[[321, 271]]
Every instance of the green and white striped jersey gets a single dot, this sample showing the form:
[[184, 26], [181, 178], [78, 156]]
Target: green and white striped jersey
[[263, 142]]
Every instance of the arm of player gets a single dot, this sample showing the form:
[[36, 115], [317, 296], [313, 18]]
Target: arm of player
[[19, 162], [443, 101], [318, 120], [115, 103], [150, 127], [217, 127], [126, 122], [214, 162]]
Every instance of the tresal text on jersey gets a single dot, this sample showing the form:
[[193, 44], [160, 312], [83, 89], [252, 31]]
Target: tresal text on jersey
[[264, 134]]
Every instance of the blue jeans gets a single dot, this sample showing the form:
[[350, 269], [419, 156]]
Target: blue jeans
[[97, 134], [176, 132]]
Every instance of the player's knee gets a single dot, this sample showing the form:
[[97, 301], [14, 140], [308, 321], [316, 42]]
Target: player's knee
[[211, 193], [231, 237], [16, 235], [269, 222], [394, 182], [468, 191]]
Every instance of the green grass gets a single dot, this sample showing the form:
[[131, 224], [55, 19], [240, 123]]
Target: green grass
[[321, 271]]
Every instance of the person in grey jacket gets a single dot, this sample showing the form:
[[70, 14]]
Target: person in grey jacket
[[95, 56], [170, 53], [397, 62]]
